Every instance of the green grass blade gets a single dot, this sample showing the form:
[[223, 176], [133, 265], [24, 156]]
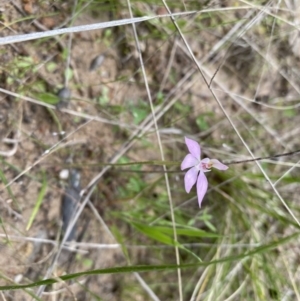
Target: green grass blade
[[148, 268], [155, 234], [38, 203], [192, 232]]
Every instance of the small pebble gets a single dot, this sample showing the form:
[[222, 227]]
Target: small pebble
[[64, 96], [18, 278], [96, 62], [64, 174]]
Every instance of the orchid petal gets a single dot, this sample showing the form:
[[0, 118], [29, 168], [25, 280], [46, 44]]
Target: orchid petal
[[190, 179], [202, 185], [218, 165], [206, 160], [194, 147], [189, 161]]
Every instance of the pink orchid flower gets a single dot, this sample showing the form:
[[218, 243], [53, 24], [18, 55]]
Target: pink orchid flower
[[193, 160]]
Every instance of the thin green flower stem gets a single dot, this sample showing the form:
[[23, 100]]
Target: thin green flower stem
[[161, 153], [264, 158], [172, 163]]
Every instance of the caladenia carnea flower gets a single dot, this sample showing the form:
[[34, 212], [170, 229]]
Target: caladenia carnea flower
[[197, 169]]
